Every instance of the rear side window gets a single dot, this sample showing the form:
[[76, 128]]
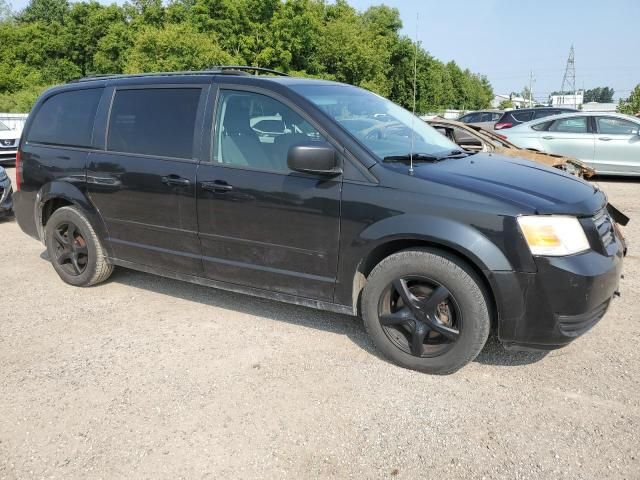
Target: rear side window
[[470, 118], [522, 116], [66, 119], [617, 126], [545, 113], [154, 121]]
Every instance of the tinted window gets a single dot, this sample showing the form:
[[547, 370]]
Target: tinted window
[[522, 116], [471, 117], [256, 131], [486, 117], [617, 126], [66, 118], [154, 121], [570, 125], [495, 116], [545, 113]]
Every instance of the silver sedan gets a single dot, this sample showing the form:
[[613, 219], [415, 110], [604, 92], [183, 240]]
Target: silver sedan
[[608, 142]]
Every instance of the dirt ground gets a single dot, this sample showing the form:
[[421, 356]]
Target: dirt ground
[[145, 377]]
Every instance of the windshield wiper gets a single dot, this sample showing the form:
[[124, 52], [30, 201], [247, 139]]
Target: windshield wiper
[[417, 157], [454, 154]]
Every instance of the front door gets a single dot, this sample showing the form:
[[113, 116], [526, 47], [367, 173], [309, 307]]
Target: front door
[[144, 183], [261, 224], [617, 145]]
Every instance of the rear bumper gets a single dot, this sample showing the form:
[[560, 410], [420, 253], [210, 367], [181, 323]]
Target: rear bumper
[[561, 301]]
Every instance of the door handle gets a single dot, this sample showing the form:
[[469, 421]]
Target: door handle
[[218, 186], [548, 137], [176, 181], [604, 139]]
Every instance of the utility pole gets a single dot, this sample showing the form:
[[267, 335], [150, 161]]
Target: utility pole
[[530, 87]]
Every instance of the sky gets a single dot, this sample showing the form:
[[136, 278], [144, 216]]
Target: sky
[[506, 40]]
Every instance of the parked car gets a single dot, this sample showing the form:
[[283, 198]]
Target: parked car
[[607, 142], [475, 139], [432, 246], [515, 117], [484, 118], [9, 139], [6, 195]]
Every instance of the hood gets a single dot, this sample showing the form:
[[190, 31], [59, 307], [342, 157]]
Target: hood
[[4, 134], [520, 182]]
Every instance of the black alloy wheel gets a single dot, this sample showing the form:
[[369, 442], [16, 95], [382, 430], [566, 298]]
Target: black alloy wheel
[[71, 252], [420, 316]]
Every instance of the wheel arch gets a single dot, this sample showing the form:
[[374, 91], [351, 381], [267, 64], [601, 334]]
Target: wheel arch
[[461, 241], [57, 194]]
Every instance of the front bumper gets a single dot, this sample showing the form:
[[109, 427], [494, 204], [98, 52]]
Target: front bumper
[[561, 301], [8, 155]]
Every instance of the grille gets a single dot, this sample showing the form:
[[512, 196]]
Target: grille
[[604, 225], [575, 325]]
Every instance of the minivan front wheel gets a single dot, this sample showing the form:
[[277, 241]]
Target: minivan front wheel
[[426, 310], [74, 248]]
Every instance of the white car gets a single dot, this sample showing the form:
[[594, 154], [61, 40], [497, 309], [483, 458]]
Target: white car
[[9, 139], [608, 142]]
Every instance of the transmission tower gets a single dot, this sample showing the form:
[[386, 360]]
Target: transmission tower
[[569, 79]]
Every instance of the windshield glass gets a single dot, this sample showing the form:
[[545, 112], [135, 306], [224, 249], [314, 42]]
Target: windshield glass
[[3, 126], [381, 125]]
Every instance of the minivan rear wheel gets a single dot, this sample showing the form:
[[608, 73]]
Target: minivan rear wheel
[[74, 248], [426, 310]]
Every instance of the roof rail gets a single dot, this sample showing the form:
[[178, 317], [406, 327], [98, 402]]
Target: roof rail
[[242, 68], [215, 70]]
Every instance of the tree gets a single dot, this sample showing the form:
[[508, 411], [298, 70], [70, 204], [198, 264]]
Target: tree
[[46, 11], [599, 94], [174, 48], [505, 104], [631, 105]]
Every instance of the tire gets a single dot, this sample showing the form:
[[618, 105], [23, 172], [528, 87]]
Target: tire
[[84, 246], [456, 327]]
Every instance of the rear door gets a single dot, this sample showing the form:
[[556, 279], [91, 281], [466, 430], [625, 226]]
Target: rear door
[[261, 224], [617, 145], [143, 182], [570, 136]]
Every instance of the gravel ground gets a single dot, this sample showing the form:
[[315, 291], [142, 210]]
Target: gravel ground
[[145, 377]]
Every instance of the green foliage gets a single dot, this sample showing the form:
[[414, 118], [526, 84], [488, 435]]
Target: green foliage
[[599, 94], [53, 41], [505, 104], [631, 105]]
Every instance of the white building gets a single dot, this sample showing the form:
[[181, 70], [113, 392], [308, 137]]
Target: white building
[[573, 101], [599, 107], [518, 102]]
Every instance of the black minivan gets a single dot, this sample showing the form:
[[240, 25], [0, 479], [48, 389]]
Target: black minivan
[[295, 189]]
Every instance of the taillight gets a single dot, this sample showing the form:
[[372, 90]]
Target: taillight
[[18, 171], [500, 126]]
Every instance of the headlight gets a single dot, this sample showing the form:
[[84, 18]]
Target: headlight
[[553, 235]]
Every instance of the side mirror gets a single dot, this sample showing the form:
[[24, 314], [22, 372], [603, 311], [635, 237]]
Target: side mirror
[[313, 157]]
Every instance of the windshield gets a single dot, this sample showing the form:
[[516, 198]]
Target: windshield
[[3, 126], [379, 124]]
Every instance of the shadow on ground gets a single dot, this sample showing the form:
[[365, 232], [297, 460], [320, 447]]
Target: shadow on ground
[[492, 354]]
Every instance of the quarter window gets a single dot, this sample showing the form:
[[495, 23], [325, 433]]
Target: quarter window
[[256, 131], [154, 121], [66, 119], [617, 126], [570, 125]]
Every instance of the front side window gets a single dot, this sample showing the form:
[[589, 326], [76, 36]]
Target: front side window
[[617, 126], [471, 118], [66, 119], [570, 125], [154, 121], [256, 131], [358, 111]]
